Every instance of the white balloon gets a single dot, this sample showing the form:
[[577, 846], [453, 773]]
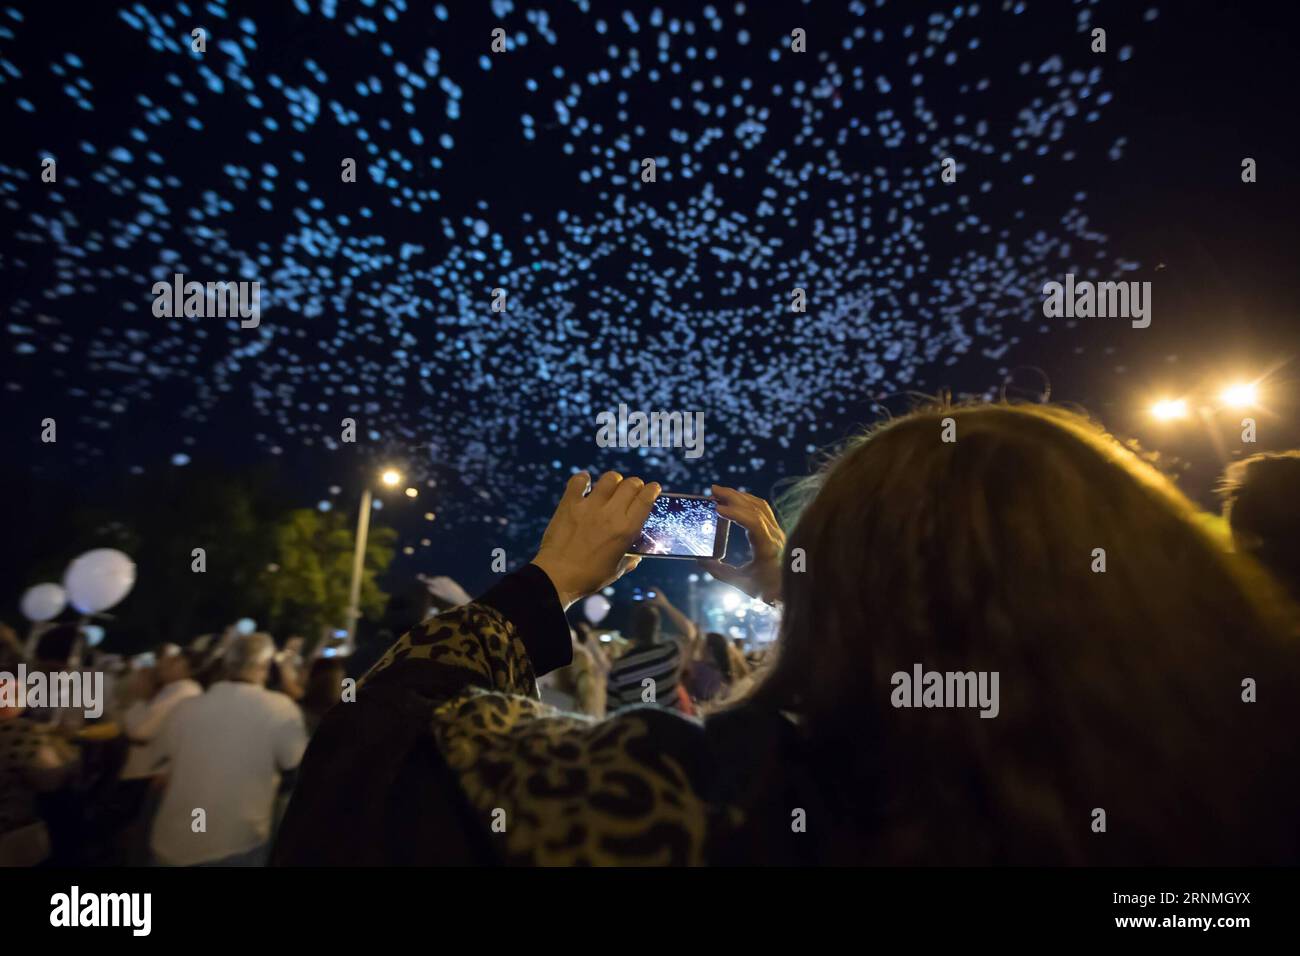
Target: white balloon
[[99, 579], [43, 602], [596, 607], [444, 587]]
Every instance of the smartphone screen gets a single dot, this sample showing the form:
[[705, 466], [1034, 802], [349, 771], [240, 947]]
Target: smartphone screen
[[683, 526]]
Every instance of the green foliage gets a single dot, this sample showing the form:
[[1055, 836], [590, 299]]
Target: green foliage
[[159, 522], [307, 592], [244, 523]]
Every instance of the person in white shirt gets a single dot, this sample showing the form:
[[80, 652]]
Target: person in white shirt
[[157, 691], [145, 718], [227, 750]]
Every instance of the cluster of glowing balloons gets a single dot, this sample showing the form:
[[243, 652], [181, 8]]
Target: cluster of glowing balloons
[[93, 582]]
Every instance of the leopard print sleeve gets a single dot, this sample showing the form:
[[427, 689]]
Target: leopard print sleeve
[[558, 789], [469, 646], [503, 641], [546, 787]]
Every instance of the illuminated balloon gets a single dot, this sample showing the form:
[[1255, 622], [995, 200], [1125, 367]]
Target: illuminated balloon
[[754, 218], [596, 607], [99, 579], [448, 590], [43, 602]]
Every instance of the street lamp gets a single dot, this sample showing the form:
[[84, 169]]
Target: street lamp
[[390, 478], [1169, 409], [1242, 395], [1239, 397]]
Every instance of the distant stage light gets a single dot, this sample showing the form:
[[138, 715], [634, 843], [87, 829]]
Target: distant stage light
[[411, 492], [1169, 409], [730, 600], [392, 478], [1242, 395]]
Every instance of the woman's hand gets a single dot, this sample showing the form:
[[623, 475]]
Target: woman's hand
[[761, 577], [585, 545]]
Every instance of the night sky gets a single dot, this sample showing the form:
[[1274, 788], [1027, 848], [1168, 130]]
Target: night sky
[[521, 170]]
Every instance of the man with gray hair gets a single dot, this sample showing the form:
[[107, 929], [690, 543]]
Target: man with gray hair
[[227, 750]]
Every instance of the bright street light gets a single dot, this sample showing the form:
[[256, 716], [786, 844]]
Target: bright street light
[[1242, 395], [1208, 407], [1169, 409]]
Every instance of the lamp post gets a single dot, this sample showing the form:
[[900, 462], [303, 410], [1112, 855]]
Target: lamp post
[[390, 479], [1207, 419]]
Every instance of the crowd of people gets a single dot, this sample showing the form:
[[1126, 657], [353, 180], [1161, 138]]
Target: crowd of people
[[187, 762], [1146, 657], [680, 666], [126, 788]]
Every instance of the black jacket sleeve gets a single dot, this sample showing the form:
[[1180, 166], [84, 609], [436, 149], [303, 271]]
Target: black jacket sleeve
[[373, 754]]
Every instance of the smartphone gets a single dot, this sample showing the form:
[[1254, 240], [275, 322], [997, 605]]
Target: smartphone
[[683, 526]]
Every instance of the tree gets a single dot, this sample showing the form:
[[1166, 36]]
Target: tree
[[305, 588], [159, 521]]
